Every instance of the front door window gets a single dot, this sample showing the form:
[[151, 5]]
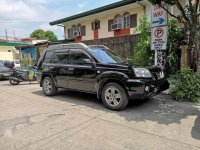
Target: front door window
[[77, 56]]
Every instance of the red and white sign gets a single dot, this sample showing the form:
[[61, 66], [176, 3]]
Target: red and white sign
[[158, 16], [159, 38]]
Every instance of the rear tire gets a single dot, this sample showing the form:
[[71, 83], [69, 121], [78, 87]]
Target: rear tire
[[49, 87], [114, 96], [13, 82]]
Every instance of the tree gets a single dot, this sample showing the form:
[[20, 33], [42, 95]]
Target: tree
[[143, 55], [44, 35], [173, 52], [190, 18], [49, 35]]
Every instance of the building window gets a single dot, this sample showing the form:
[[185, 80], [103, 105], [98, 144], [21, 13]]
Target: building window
[[96, 25], [118, 19], [78, 30], [117, 23], [74, 30], [126, 20]]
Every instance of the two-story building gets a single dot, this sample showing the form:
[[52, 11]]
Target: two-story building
[[112, 25]]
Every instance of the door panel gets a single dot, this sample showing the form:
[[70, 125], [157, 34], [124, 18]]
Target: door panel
[[61, 60], [82, 76]]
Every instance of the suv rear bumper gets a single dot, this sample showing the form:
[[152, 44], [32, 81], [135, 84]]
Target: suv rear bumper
[[140, 89], [5, 75]]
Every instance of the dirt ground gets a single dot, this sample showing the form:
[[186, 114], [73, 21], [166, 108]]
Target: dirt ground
[[71, 120]]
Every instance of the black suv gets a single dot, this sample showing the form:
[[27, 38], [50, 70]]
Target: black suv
[[96, 69]]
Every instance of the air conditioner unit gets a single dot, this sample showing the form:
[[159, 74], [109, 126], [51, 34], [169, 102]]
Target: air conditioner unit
[[116, 26], [77, 34]]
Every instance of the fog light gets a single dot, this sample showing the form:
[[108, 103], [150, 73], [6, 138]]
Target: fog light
[[147, 89]]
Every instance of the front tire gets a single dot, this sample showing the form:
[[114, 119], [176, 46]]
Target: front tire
[[49, 87], [114, 96]]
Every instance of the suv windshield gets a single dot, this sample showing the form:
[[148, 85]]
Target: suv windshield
[[106, 56]]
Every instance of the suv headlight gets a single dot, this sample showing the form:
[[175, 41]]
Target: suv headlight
[[142, 72]]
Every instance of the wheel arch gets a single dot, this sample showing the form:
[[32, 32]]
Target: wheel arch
[[47, 75], [110, 76]]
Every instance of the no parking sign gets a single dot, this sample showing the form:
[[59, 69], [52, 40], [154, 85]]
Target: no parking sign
[[159, 38]]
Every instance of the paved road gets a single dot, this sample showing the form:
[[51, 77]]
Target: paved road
[[71, 120]]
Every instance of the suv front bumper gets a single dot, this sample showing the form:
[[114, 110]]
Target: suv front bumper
[[140, 89]]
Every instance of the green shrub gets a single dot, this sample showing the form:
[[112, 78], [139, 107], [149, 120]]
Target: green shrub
[[143, 55], [186, 86]]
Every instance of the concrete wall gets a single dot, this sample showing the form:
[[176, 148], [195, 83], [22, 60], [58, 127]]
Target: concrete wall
[[5, 54]]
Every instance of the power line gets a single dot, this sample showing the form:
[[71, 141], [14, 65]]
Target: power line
[[11, 37], [21, 22], [6, 35]]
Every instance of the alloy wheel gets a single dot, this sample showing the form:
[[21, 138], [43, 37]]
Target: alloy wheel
[[47, 86], [113, 96]]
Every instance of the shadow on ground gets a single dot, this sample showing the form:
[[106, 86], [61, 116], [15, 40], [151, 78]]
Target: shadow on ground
[[159, 109], [3, 80], [20, 84]]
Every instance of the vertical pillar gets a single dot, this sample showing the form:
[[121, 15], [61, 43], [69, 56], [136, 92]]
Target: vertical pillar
[[184, 56], [160, 58]]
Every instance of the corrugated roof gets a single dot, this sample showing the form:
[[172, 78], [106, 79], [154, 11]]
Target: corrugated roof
[[31, 45], [14, 44], [94, 11]]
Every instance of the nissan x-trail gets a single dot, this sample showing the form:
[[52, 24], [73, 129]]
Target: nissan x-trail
[[96, 69]]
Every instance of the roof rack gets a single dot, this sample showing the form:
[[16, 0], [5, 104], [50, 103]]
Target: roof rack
[[68, 45], [98, 46]]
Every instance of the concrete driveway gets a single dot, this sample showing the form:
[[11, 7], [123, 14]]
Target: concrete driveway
[[71, 120]]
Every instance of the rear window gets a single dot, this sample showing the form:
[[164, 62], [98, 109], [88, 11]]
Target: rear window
[[48, 56], [1, 63]]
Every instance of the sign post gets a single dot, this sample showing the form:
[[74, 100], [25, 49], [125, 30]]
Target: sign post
[[159, 33], [159, 38], [158, 16]]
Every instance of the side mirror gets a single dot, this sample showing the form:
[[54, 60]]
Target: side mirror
[[89, 62]]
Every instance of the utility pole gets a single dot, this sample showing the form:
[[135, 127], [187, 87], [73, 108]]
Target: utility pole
[[6, 35], [14, 35]]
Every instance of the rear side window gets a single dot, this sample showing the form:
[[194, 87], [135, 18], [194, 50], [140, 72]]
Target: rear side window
[[61, 58], [48, 56], [1, 63]]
